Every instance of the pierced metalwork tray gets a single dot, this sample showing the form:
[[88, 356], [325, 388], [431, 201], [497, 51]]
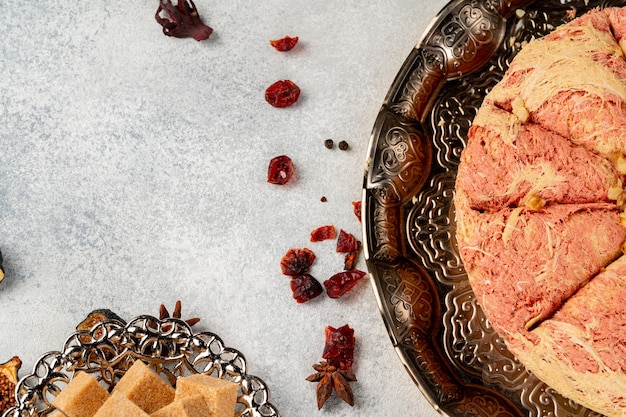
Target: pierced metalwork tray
[[167, 346], [439, 332]]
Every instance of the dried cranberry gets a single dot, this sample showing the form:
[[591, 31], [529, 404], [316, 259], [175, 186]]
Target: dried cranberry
[[349, 261], [357, 209], [297, 261], [305, 287], [280, 170], [346, 242], [282, 93], [323, 233], [339, 346], [342, 282], [182, 20], [284, 44]]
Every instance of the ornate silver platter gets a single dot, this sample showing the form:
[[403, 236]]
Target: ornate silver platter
[[435, 324], [168, 346]]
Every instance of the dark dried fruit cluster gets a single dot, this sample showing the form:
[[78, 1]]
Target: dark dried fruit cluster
[[181, 20], [335, 373], [297, 262]]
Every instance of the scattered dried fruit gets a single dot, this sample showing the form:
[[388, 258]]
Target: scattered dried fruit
[[284, 44], [349, 261], [181, 20], [339, 346], [8, 380], [305, 288], [280, 170], [329, 378], [323, 233], [94, 318], [282, 93], [346, 242], [297, 261], [329, 143], [357, 209], [342, 282], [343, 145]]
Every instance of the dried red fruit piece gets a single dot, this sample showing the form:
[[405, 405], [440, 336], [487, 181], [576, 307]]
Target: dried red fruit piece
[[349, 261], [282, 93], [284, 44], [280, 170], [323, 233], [297, 261], [346, 242], [357, 209], [342, 282], [305, 288], [339, 346], [182, 20]]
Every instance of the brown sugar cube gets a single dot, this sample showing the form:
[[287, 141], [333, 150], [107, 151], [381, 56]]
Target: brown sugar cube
[[119, 406], [82, 397], [192, 406], [220, 395], [145, 388]]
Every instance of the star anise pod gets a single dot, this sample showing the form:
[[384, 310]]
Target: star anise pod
[[163, 313], [329, 378]]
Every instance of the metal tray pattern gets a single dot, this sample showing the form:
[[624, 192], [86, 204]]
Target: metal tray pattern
[[439, 332], [167, 346]]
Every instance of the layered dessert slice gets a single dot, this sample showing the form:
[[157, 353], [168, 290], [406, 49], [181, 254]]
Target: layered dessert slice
[[523, 264], [507, 163], [581, 350]]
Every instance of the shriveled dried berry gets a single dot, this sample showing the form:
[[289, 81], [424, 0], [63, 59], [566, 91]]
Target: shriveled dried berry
[[339, 346], [181, 20], [343, 145], [349, 261], [329, 143], [305, 288], [284, 44], [323, 199], [280, 170], [342, 282], [323, 233], [346, 242], [282, 93], [297, 261], [357, 209]]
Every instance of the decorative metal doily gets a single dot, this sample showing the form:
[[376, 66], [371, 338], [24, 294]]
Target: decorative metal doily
[[439, 331], [167, 346]]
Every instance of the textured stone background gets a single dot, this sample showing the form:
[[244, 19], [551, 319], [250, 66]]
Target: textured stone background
[[133, 170]]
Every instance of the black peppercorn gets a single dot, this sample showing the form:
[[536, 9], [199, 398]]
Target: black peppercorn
[[329, 143], [343, 145]]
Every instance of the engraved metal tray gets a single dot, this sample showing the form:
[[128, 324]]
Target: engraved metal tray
[[167, 346], [439, 332]]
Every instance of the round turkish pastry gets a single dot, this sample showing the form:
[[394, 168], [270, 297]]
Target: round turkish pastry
[[540, 209]]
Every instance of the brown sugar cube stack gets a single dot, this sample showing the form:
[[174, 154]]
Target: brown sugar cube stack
[[193, 406], [82, 397], [119, 406], [145, 388], [220, 395]]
